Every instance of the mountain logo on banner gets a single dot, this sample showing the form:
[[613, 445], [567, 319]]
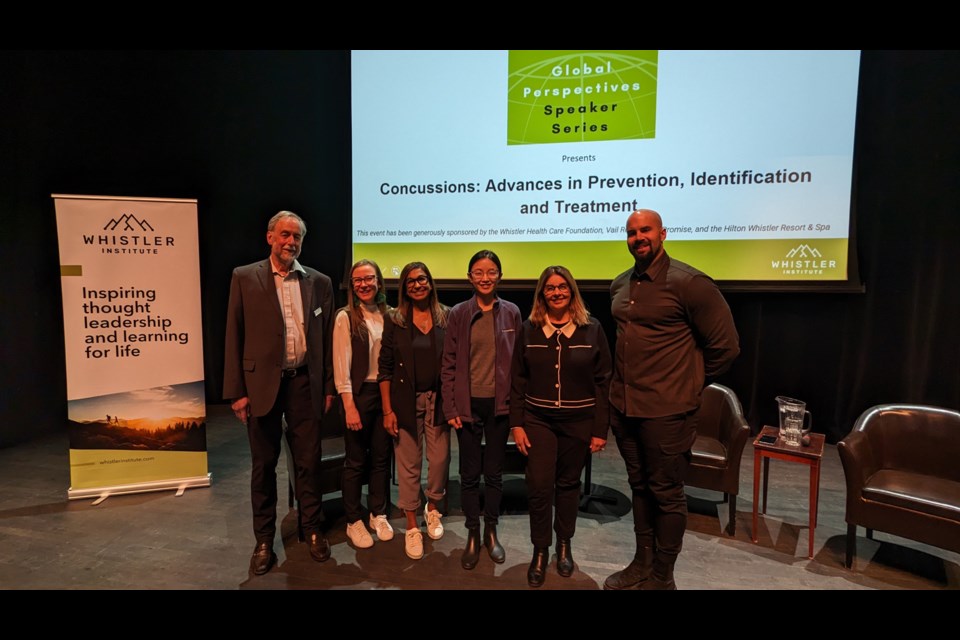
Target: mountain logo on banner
[[131, 236], [126, 219], [804, 260]]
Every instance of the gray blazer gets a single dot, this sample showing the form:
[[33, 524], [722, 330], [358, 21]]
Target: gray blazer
[[254, 352]]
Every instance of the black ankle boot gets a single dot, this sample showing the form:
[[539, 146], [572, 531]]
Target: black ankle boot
[[497, 554], [564, 558], [471, 553], [635, 575], [661, 578], [537, 572]]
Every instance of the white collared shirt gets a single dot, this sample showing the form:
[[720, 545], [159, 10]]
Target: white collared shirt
[[291, 305]]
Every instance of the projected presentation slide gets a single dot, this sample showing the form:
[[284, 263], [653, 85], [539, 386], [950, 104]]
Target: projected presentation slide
[[542, 155]]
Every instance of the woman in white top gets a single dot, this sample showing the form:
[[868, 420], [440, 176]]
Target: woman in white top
[[356, 350]]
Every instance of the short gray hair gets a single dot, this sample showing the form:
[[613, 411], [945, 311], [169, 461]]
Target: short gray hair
[[287, 214]]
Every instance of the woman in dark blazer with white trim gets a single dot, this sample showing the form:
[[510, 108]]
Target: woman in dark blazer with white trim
[[559, 410]]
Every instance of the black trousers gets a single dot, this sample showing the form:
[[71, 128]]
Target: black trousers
[[367, 449], [477, 457], [656, 452], [303, 437], [555, 461]]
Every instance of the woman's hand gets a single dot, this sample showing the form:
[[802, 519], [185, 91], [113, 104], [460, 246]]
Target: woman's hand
[[456, 423], [353, 418], [597, 444], [390, 423], [523, 442]]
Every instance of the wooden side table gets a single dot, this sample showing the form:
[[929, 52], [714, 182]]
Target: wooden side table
[[810, 455]]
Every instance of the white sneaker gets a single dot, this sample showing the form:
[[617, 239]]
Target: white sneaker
[[434, 526], [382, 527], [413, 544], [359, 536]]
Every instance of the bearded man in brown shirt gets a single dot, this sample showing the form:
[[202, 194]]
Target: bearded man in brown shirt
[[675, 334]]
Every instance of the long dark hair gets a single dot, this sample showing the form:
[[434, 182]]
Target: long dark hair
[[437, 310]]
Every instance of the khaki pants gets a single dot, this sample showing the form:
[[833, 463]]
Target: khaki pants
[[409, 449]]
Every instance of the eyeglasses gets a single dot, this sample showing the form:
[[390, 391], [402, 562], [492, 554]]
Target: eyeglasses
[[362, 280], [549, 288], [419, 280], [492, 274]]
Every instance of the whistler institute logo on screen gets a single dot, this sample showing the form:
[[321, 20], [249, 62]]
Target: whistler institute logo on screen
[[581, 96], [804, 260]]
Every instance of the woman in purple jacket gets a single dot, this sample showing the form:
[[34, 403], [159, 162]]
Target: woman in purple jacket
[[475, 392]]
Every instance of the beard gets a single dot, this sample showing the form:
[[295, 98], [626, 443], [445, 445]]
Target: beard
[[637, 246], [643, 261]]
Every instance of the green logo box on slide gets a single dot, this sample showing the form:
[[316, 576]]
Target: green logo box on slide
[[581, 96]]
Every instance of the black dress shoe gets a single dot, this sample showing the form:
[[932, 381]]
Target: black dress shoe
[[319, 548], [497, 554], [471, 553], [263, 558], [564, 558], [537, 572]]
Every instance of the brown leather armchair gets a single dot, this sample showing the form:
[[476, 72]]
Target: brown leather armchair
[[722, 433], [903, 475]]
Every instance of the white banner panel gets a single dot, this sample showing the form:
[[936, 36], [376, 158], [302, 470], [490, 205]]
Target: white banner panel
[[130, 277]]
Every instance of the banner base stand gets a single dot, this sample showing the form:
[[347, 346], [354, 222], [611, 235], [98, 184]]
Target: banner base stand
[[102, 493]]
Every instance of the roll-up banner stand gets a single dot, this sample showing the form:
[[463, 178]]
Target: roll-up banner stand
[[130, 276]]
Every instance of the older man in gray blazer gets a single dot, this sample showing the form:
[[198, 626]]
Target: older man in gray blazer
[[278, 363]]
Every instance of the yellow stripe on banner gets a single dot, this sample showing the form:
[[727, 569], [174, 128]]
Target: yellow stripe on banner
[[71, 270], [91, 468], [784, 260]]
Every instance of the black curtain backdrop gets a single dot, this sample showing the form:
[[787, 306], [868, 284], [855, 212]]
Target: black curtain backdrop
[[249, 133]]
